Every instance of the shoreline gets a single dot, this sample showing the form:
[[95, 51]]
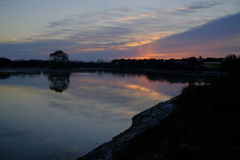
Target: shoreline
[[140, 122], [157, 71]]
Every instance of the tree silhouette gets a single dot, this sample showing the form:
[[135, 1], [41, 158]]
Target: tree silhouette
[[5, 62], [59, 82], [59, 60]]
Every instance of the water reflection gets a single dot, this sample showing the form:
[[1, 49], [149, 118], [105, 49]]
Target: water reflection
[[5, 76], [11, 73], [59, 81], [171, 78], [12, 133], [37, 123]]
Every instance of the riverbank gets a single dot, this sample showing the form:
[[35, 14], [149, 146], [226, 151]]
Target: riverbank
[[203, 123], [140, 123]]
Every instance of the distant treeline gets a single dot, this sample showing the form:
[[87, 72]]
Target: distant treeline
[[230, 62]]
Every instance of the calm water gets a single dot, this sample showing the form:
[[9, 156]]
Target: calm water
[[64, 116]]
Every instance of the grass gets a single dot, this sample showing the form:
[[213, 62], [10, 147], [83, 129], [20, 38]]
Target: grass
[[204, 125]]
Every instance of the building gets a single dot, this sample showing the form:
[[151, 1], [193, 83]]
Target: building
[[212, 66]]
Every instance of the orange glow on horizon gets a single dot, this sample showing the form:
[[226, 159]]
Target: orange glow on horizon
[[148, 48], [162, 57], [138, 41], [166, 50]]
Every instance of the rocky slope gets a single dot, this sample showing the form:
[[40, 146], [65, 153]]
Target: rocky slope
[[140, 123]]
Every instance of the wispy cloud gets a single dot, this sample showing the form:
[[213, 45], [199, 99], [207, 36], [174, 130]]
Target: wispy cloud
[[195, 7], [111, 29], [203, 5], [146, 14], [128, 18]]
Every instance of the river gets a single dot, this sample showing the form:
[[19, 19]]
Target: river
[[47, 115]]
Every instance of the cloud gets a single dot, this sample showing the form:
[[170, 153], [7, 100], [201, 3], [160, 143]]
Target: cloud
[[225, 27], [146, 15], [216, 38], [107, 15], [107, 33], [128, 18], [195, 7], [203, 5]]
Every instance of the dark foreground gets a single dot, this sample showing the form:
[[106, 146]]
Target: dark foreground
[[204, 125]]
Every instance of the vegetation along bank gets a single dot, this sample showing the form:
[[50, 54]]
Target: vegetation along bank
[[203, 125]]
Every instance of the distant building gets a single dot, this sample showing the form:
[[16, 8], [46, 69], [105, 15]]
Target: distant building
[[212, 66]]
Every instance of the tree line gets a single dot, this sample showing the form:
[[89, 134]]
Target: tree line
[[60, 60]]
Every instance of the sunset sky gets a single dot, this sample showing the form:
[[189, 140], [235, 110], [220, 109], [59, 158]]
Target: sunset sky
[[106, 29]]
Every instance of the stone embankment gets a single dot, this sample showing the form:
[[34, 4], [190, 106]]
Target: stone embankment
[[140, 123]]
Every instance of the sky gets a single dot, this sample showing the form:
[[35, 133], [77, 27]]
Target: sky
[[106, 29]]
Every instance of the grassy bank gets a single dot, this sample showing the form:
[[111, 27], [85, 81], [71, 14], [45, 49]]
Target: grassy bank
[[204, 125]]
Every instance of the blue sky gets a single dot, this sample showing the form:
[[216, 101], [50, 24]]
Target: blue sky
[[106, 29]]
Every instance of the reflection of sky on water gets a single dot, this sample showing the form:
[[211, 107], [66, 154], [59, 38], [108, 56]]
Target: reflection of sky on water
[[38, 123]]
